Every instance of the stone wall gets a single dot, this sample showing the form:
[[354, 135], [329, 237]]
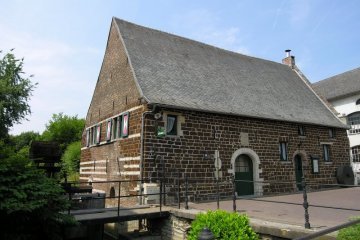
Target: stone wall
[[203, 133]]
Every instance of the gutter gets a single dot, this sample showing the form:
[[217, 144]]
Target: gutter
[[144, 114]]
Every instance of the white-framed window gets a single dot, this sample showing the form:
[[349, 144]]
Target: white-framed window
[[331, 132], [326, 152], [355, 153], [283, 151], [171, 125]]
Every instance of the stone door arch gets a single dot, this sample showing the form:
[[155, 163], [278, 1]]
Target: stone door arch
[[258, 190]]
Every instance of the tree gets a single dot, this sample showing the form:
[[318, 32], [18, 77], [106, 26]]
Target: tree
[[71, 160], [15, 92], [64, 129], [24, 139], [31, 205]]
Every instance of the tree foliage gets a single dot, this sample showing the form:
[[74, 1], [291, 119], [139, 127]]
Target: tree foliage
[[64, 129], [31, 204], [24, 139], [15, 92], [71, 158]]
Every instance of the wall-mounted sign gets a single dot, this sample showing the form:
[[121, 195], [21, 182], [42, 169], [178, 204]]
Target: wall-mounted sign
[[125, 125], [160, 132], [315, 164]]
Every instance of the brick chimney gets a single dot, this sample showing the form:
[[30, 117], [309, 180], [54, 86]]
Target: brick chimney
[[289, 60]]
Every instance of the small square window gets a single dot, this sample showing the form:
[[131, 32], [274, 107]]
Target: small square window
[[331, 133], [171, 125], [326, 152], [301, 131], [283, 151]]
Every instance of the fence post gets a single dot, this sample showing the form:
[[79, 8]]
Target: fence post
[[164, 185], [178, 189], [234, 193], [218, 191], [186, 193], [161, 186], [70, 199], [305, 204], [119, 188]]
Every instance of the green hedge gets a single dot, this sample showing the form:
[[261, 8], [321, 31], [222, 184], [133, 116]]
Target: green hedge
[[224, 225], [350, 233]]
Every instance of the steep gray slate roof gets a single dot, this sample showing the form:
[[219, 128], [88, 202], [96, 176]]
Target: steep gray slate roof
[[183, 73], [341, 85]]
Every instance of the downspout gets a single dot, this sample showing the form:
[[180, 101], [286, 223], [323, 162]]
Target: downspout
[[144, 114]]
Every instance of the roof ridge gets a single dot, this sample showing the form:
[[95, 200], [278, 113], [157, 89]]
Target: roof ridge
[[198, 42], [337, 75]]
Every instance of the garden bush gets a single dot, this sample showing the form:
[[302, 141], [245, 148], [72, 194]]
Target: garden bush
[[224, 225], [350, 233]]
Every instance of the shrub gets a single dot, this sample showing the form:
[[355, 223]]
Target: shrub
[[350, 233], [223, 225]]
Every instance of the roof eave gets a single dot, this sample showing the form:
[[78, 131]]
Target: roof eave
[[341, 125]]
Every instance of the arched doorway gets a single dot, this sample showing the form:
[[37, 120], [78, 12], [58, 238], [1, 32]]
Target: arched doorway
[[298, 171], [255, 161], [244, 175]]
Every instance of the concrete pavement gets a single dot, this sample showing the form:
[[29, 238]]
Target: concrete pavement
[[320, 218]]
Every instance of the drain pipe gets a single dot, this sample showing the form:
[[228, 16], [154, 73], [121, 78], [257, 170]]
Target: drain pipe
[[144, 114]]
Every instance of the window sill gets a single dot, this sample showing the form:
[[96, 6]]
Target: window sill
[[285, 162], [328, 163]]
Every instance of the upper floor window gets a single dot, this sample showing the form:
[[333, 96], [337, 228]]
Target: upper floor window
[[108, 130], [331, 132], [171, 125], [326, 152], [354, 122], [301, 131], [93, 135], [355, 153], [283, 151], [358, 102], [354, 118]]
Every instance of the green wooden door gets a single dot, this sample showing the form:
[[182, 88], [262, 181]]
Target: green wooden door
[[298, 171], [244, 173]]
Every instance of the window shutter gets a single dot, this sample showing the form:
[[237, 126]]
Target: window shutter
[[108, 130], [87, 137], [98, 131], [125, 125]]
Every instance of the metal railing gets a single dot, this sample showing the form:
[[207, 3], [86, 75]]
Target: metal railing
[[137, 197], [182, 188], [306, 186]]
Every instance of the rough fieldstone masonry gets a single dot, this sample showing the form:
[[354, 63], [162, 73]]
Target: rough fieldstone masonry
[[154, 115]]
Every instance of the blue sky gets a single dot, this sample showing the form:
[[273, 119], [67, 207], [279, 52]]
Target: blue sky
[[63, 42]]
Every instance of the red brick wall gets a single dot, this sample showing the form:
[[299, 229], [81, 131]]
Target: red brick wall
[[115, 93]]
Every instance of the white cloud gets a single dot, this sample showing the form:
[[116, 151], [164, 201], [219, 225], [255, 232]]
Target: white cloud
[[204, 26], [63, 85]]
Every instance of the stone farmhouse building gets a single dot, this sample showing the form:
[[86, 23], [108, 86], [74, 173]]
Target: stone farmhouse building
[[343, 93], [164, 101]]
